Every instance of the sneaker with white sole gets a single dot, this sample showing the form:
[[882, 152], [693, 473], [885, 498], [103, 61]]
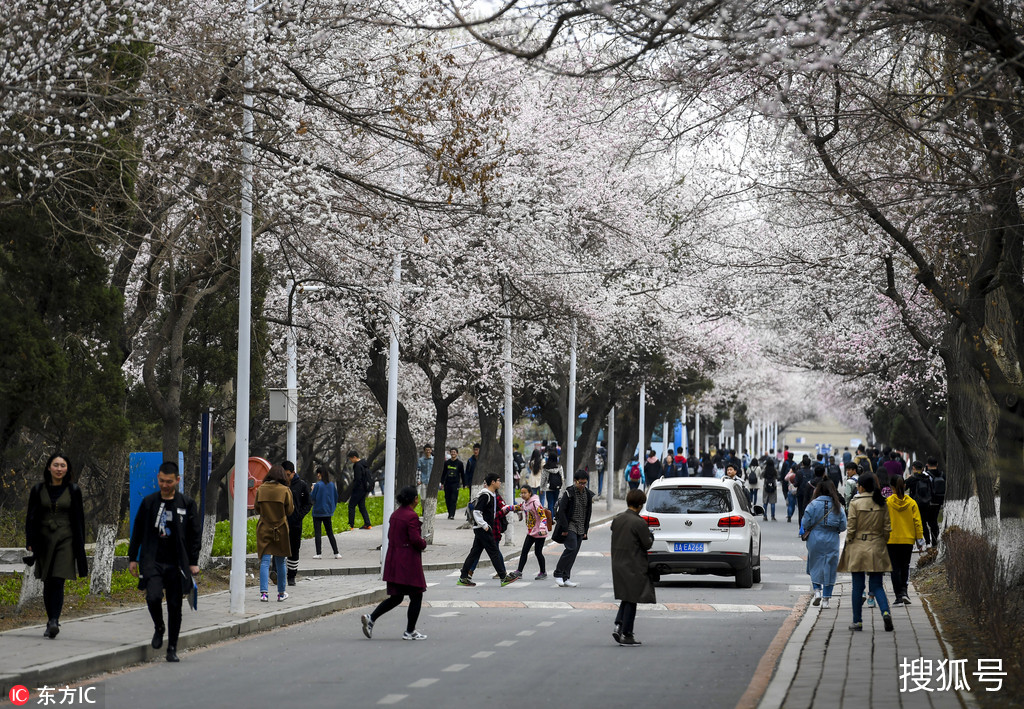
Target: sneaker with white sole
[[569, 584], [282, 596], [337, 556], [824, 603], [559, 581], [871, 601], [414, 635], [817, 598], [367, 625], [509, 578], [317, 556], [264, 598]]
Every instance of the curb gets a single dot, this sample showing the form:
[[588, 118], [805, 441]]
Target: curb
[[72, 669], [774, 696]]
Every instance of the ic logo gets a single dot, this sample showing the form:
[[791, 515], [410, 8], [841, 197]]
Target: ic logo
[[19, 695]]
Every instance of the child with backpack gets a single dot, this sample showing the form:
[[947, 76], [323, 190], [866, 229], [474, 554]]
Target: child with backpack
[[634, 474], [538, 523]]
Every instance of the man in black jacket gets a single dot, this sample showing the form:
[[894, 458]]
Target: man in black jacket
[[361, 486], [467, 480], [451, 479], [572, 523], [488, 523], [164, 547], [303, 504]]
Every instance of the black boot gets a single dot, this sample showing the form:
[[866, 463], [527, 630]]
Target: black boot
[[52, 628], [172, 655], [617, 633], [158, 638]]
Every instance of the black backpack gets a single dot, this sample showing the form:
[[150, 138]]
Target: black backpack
[[938, 488], [554, 480], [752, 477], [921, 489]]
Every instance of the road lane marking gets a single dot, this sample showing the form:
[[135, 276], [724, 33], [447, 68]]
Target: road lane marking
[[453, 604], [449, 614], [455, 668], [547, 604], [483, 654], [525, 633], [545, 624], [783, 557], [425, 682], [586, 572], [392, 698], [505, 643], [736, 608]]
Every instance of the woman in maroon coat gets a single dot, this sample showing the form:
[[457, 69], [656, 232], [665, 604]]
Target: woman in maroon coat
[[403, 566]]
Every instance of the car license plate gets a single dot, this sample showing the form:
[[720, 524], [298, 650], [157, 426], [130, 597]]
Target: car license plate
[[689, 546]]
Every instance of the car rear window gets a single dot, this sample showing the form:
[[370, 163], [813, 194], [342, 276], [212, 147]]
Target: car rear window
[[688, 500]]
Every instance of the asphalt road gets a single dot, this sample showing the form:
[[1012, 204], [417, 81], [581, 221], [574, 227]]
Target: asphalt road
[[529, 644]]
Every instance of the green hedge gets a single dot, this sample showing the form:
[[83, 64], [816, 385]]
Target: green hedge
[[374, 506]]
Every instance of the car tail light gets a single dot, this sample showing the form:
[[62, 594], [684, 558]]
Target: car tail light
[[733, 521], [651, 521]]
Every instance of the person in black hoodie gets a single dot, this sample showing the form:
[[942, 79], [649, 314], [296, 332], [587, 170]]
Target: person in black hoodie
[[55, 535], [361, 486], [303, 504], [164, 553], [451, 480], [572, 523]]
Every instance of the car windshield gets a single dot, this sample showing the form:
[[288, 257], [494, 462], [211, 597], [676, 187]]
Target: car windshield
[[688, 500]]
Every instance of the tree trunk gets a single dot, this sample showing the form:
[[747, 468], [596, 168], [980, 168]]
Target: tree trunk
[[442, 409], [103, 558], [492, 455], [31, 587], [108, 516], [213, 489]]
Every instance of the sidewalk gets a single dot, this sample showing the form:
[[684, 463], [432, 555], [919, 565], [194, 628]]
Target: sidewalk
[[111, 641], [825, 664]]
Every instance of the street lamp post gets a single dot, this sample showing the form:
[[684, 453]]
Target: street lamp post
[[238, 509], [507, 356], [610, 472], [570, 444]]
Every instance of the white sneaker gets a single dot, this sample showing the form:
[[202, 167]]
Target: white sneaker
[[559, 581], [337, 556], [817, 598], [569, 584], [317, 556], [414, 635], [824, 603]]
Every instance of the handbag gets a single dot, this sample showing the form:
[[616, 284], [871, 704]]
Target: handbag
[[807, 533]]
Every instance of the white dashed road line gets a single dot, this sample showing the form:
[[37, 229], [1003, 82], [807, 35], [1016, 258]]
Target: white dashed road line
[[425, 682], [526, 633], [483, 654], [455, 668], [505, 643], [392, 698]]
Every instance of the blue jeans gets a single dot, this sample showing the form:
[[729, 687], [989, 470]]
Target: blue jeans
[[752, 496], [551, 497], [790, 506], [875, 585], [600, 481], [265, 573], [826, 590]]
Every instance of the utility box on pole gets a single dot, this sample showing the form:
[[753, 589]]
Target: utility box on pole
[[284, 405]]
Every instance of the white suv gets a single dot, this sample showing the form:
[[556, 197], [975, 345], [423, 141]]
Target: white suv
[[703, 526]]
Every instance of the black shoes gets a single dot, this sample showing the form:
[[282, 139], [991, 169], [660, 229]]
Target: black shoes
[[52, 628], [158, 638], [291, 580], [617, 633], [887, 621], [172, 655], [629, 641]]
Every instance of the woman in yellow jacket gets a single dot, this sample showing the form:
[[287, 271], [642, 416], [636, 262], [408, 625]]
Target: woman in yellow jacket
[[907, 530]]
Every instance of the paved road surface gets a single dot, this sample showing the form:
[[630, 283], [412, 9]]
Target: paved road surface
[[529, 644]]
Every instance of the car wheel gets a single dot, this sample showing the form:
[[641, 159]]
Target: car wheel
[[757, 571], [745, 576]]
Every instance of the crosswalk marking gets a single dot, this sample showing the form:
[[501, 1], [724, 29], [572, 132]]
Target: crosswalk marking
[[455, 668], [577, 606], [425, 682], [392, 698]]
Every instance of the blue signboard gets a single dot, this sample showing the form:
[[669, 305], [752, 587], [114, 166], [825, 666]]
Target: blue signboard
[[142, 470]]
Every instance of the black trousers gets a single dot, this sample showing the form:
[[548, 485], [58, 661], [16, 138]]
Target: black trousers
[[295, 540], [451, 499], [166, 581], [484, 541], [538, 544], [360, 502], [570, 548], [328, 526], [392, 602], [53, 597], [899, 556], [930, 518], [626, 616]]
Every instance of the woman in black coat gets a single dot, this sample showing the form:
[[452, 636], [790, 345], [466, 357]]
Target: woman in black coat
[[631, 538], [55, 534]]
